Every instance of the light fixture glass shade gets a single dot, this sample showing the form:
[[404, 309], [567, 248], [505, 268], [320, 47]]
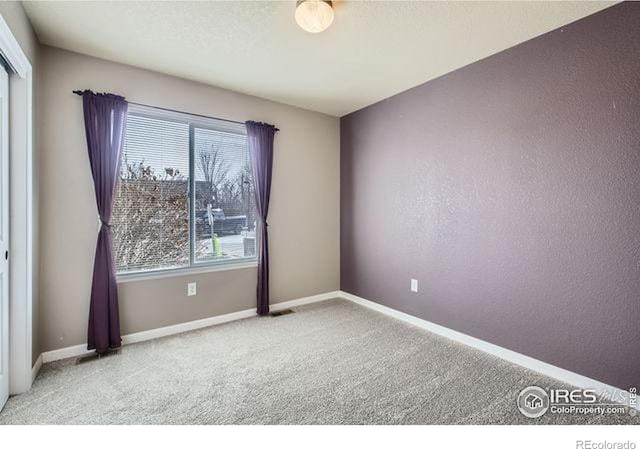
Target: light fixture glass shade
[[314, 16]]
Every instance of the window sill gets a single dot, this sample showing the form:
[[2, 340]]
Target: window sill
[[144, 276]]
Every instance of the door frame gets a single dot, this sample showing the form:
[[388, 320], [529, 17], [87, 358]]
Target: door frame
[[22, 255]]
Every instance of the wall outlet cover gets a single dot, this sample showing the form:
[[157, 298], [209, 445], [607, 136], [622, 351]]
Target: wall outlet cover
[[192, 289]]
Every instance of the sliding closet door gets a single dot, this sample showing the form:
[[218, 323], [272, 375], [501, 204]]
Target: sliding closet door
[[4, 236]]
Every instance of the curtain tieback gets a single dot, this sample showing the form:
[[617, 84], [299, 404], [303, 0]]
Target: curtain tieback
[[104, 223]]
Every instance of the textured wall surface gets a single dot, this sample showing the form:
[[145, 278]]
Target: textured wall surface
[[511, 190], [306, 166]]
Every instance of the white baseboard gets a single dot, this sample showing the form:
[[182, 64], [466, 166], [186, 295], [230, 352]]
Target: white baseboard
[[539, 366], [306, 300], [36, 368], [65, 353], [78, 350], [185, 327]]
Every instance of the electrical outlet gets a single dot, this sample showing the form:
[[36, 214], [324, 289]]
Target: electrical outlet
[[192, 289], [414, 285]]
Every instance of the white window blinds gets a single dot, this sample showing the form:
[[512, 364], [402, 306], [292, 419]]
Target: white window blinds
[[185, 195]]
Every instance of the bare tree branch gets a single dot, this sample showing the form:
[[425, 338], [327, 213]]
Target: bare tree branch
[[214, 169]]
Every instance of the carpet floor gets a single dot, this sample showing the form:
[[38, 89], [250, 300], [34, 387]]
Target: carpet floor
[[332, 362]]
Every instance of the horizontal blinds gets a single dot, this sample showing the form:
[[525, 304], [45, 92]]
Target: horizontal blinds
[[150, 222], [184, 117], [152, 226]]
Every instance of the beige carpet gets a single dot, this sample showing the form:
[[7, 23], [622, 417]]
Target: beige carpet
[[329, 363]]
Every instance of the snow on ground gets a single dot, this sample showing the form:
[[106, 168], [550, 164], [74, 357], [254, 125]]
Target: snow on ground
[[232, 246]]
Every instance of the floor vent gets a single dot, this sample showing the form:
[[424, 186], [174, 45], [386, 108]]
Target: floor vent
[[282, 312], [95, 356]]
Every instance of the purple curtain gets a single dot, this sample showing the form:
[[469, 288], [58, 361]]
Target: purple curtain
[[260, 136], [104, 121]]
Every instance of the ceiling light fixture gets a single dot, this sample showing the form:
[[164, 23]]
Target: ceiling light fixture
[[314, 16]]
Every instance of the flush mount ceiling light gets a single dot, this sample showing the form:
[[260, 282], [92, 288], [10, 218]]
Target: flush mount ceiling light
[[314, 16]]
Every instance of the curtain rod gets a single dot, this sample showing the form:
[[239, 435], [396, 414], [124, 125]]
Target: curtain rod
[[79, 92]]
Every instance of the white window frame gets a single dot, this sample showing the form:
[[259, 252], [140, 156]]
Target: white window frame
[[195, 266], [23, 254]]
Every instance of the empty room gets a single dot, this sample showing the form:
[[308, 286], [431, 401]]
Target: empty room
[[328, 213]]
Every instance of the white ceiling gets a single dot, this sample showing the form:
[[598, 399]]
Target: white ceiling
[[372, 51]]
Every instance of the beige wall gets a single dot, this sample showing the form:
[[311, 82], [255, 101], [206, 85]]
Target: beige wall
[[16, 18], [304, 214]]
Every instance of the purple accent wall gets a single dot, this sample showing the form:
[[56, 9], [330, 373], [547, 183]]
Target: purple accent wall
[[510, 189]]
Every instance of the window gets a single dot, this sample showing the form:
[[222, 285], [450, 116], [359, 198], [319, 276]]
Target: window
[[185, 195]]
